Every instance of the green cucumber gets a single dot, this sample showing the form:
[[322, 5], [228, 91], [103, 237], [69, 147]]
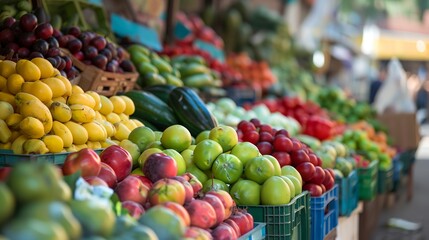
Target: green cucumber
[[192, 69], [190, 110], [172, 80], [150, 79], [146, 67], [161, 91], [152, 109], [198, 80], [161, 65]]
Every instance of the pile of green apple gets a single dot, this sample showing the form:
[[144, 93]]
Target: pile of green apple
[[228, 113], [220, 162], [359, 142]]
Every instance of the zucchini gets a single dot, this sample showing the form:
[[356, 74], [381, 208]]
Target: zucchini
[[152, 109], [190, 110], [162, 91]]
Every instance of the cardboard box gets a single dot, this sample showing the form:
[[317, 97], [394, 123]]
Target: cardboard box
[[403, 129]]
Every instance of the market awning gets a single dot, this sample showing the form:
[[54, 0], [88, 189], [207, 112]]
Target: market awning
[[385, 44]]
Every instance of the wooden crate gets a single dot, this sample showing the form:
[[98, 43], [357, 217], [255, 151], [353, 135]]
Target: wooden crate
[[102, 82]]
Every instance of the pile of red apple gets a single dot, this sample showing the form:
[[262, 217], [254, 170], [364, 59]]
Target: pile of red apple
[[94, 49], [314, 120], [27, 39], [212, 215], [288, 151]]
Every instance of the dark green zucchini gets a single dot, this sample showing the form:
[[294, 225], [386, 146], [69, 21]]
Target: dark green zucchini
[[190, 110], [162, 91], [152, 109]]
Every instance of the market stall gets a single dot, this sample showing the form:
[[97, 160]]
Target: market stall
[[146, 121]]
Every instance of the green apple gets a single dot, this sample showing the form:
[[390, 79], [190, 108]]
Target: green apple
[[290, 170], [133, 149], [245, 151], [142, 136], [296, 183]]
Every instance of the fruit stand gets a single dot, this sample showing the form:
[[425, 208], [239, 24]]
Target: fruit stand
[[208, 137]]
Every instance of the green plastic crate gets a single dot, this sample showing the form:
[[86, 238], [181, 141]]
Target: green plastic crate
[[8, 158], [385, 180], [290, 221], [368, 181]]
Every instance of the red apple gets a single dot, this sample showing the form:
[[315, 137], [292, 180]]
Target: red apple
[[328, 181], [4, 173], [197, 233], [283, 158], [298, 157], [242, 221], [319, 175], [197, 186], [314, 189], [188, 188], [158, 166], [144, 179], [95, 181], [86, 160], [306, 170], [265, 148], [165, 190], [227, 201], [234, 226], [217, 206], [282, 143], [180, 211], [224, 232], [202, 214], [132, 189], [108, 175], [118, 159], [134, 209]]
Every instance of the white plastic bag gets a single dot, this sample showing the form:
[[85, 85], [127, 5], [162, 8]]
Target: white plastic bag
[[393, 93]]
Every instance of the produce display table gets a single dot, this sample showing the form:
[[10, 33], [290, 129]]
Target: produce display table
[[348, 227], [331, 235]]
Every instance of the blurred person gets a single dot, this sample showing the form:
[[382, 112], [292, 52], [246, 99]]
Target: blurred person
[[375, 84]]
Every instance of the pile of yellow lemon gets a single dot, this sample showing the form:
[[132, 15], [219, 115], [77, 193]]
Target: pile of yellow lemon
[[42, 112]]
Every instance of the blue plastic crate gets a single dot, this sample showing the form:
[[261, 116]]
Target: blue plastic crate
[[8, 158], [348, 193], [324, 214], [257, 233]]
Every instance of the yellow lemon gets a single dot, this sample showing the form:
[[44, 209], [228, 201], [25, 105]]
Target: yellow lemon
[[60, 99], [77, 89], [79, 133], [96, 98], [14, 83], [56, 85], [7, 68], [46, 68], [129, 105], [6, 109], [81, 98], [60, 111], [14, 120], [39, 89], [29, 71], [54, 143], [118, 104], [106, 105], [67, 85], [32, 127], [113, 118], [63, 132], [7, 97], [3, 82], [96, 131]]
